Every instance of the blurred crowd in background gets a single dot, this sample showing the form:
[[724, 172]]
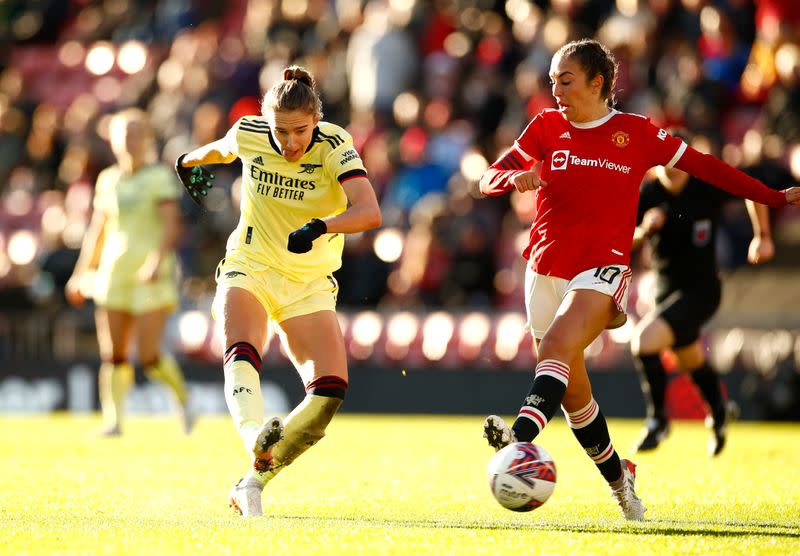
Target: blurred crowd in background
[[432, 92]]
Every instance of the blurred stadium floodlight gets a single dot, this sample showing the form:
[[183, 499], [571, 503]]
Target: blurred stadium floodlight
[[367, 327], [100, 58], [473, 331], [473, 165], [193, 329], [132, 57], [510, 332], [401, 329], [19, 202], [71, 53], [389, 245], [22, 247], [437, 333]]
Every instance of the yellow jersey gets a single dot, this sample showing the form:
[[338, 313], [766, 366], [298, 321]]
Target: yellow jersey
[[279, 196], [133, 226]]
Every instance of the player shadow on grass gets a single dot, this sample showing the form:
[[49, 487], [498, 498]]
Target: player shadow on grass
[[650, 527]]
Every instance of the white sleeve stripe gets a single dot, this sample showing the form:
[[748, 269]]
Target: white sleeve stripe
[[525, 155], [678, 155]]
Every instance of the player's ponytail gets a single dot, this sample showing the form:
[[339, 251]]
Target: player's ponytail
[[297, 91], [299, 74]]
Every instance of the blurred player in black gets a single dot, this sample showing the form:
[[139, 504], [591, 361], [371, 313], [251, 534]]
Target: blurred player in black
[[679, 215]]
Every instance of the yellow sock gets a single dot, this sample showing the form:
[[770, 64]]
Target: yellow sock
[[244, 399], [302, 428], [166, 370], [114, 382]]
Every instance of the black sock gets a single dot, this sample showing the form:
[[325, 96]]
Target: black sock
[[543, 400], [653, 378], [590, 428], [710, 386]]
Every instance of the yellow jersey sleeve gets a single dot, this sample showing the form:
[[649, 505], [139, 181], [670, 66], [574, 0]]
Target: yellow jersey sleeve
[[343, 162], [230, 137]]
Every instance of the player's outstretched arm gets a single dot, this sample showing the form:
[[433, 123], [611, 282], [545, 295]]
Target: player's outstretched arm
[[196, 179], [362, 214], [719, 174]]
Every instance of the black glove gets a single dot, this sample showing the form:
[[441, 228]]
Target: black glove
[[301, 239], [197, 180]]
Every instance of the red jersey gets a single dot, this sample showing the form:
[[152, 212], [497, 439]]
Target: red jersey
[[586, 214]]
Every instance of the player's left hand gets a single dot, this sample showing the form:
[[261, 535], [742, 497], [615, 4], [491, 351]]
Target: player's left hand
[[792, 195], [761, 250], [301, 240], [197, 180]]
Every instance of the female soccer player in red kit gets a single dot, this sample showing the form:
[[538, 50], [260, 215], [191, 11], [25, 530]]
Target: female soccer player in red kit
[[585, 162]]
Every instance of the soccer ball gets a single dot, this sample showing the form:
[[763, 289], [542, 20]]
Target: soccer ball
[[522, 476]]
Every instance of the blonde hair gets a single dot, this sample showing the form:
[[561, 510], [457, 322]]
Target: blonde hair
[[297, 91], [118, 127]]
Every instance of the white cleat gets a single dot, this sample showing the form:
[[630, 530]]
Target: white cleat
[[625, 495], [497, 433], [246, 497], [269, 435]]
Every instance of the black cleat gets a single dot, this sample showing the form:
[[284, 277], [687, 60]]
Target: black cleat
[[654, 432], [719, 430]]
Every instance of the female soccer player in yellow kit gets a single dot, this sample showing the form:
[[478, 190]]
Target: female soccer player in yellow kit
[[303, 187], [130, 242]]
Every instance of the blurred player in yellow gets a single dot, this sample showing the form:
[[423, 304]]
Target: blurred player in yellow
[[303, 187], [130, 245]]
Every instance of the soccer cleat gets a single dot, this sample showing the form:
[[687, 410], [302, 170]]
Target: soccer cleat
[[246, 497], [110, 432], [269, 435], [719, 431], [625, 495], [497, 433], [188, 418], [654, 432]]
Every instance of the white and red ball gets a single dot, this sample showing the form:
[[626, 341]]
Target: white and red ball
[[522, 476]]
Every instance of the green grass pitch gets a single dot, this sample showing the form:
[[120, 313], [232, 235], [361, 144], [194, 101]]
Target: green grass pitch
[[405, 485]]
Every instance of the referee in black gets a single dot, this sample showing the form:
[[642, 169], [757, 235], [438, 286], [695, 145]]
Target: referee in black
[[678, 215]]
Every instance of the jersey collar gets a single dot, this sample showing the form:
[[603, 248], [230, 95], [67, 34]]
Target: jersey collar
[[595, 123], [314, 138], [272, 142]]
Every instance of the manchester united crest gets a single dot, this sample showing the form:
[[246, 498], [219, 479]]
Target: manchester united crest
[[621, 139]]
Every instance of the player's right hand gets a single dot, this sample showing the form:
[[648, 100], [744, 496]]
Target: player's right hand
[[197, 180], [653, 220], [529, 180]]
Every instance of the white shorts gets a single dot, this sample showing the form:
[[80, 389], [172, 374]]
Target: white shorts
[[544, 294]]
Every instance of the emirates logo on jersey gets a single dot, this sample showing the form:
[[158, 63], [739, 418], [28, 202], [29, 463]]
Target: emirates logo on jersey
[[621, 139]]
